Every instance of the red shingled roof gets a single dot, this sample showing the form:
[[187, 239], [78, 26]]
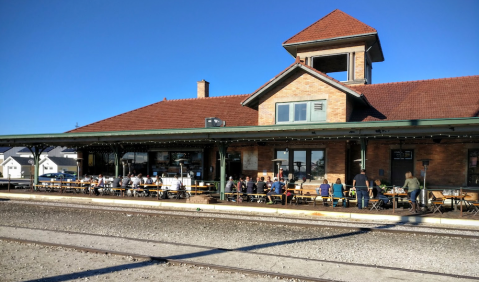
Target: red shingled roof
[[185, 113], [335, 24], [424, 99]]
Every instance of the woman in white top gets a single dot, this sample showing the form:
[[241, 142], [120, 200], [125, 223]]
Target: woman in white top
[[175, 184], [100, 184]]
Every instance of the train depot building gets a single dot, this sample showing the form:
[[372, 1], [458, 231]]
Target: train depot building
[[322, 115]]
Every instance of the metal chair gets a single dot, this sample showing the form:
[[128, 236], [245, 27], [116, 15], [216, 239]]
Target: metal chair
[[376, 204]]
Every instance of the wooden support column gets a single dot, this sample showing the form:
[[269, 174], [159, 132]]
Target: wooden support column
[[222, 147]]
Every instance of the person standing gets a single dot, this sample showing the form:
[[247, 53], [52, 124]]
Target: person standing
[[413, 186], [361, 185]]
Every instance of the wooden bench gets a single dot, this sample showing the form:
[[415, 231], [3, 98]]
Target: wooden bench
[[343, 199], [301, 198], [259, 198]]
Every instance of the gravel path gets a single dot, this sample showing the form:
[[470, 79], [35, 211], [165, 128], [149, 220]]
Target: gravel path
[[408, 251], [26, 262]]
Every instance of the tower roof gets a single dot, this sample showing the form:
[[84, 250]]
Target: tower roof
[[334, 25]]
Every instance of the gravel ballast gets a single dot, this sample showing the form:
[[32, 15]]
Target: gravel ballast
[[408, 251]]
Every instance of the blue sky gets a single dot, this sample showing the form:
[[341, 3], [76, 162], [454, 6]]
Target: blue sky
[[63, 62]]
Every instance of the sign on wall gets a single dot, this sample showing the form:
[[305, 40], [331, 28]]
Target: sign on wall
[[250, 160]]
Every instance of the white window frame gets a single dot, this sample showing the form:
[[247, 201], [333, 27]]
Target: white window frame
[[309, 108]]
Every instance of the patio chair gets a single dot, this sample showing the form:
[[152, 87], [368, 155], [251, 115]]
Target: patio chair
[[376, 204], [475, 208], [437, 201]]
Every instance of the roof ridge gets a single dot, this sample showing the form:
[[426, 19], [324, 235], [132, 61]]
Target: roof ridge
[[310, 25], [335, 10], [421, 80], [200, 98], [162, 101]]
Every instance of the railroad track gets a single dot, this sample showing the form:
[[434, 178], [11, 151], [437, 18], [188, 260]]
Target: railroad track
[[298, 222], [183, 258]]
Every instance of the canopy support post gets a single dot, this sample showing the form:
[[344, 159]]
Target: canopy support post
[[222, 147]]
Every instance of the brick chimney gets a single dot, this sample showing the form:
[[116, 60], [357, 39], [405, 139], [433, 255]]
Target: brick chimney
[[203, 89]]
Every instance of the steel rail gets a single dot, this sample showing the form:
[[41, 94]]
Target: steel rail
[[219, 267], [296, 224]]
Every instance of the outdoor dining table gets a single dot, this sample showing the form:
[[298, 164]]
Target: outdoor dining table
[[395, 200], [455, 199], [300, 190]]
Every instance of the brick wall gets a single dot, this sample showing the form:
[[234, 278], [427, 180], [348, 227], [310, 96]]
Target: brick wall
[[302, 87], [448, 166], [359, 66]]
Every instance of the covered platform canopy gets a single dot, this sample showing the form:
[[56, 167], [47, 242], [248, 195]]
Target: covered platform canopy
[[222, 137]]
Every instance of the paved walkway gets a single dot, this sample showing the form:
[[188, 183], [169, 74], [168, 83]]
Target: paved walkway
[[448, 219]]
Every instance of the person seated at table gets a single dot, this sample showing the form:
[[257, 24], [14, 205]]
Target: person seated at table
[[379, 193], [229, 185], [140, 176], [275, 190], [261, 186], [100, 184], [86, 178], [148, 180], [240, 185], [175, 184], [146, 189], [324, 190], [413, 186], [268, 182], [116, 182], [338, 192], [126, 181], [135, 182], [250, 185]]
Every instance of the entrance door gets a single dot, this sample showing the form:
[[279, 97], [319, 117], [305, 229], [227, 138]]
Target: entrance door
[[402, 161]]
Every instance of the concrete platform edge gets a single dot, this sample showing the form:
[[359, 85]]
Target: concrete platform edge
[[233, 208]]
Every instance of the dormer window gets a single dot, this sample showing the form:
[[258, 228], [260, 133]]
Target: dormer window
[[301, 112]]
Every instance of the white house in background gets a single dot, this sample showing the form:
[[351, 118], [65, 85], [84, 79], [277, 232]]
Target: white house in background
[[26, 153], [2, 157], [69, 153], [57, 164], [17, 167]]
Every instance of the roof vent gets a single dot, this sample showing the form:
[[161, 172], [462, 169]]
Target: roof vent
[[214, 122]]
